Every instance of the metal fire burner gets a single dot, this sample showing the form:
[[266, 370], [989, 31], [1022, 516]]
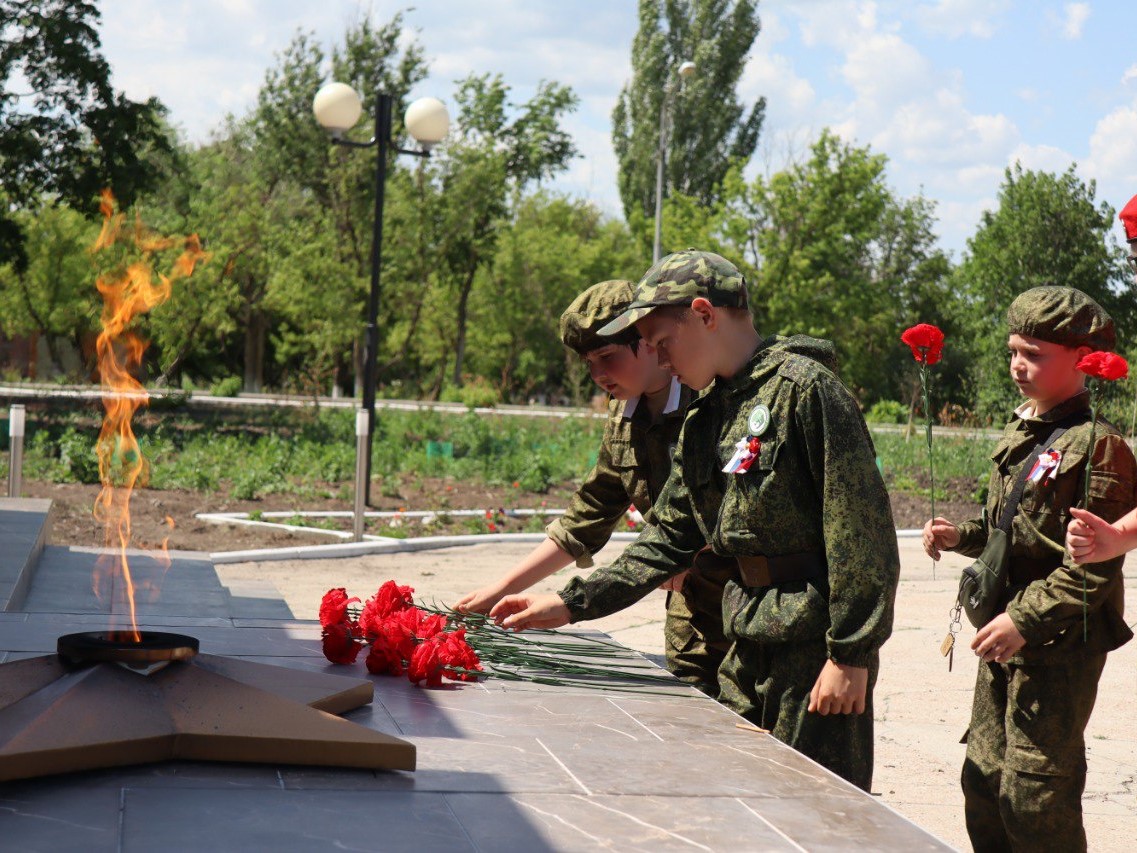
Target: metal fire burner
[[106, 701], [152, 650]]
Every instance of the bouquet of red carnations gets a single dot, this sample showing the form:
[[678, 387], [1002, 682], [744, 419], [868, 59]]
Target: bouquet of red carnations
[[403, 639]]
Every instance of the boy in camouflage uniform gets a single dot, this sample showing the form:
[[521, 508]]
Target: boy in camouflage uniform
[[1025, 769], [645, 414], [776, 470]]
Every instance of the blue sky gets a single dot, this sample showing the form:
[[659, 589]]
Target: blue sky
[[952, 91]]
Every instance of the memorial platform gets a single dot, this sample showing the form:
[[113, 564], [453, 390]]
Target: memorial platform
[[500, 765]]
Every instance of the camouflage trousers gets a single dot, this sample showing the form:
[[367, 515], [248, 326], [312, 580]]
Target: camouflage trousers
[[1025, 769], [769, 685], [693, 634]]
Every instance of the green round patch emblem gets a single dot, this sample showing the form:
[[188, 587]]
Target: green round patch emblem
[[759, 420]]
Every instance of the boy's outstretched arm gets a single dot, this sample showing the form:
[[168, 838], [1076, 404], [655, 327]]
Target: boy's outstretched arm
[[1092, 539], [538, 564], [520, 612]]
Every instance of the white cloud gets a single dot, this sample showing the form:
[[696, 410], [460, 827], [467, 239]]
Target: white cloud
[[1041, 158], [773, 29], [959, 219], [884, 70], [956, 18], [1074, 19], [789, 97], [835, 23], [1113, 148], [1130, 75], [940, 131]]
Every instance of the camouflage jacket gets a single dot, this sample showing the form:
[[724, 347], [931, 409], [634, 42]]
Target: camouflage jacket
[[1045, 600], [631, 467], [814, 487]]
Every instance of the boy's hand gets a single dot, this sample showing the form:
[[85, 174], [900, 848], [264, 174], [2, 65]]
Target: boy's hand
[[675, 583], [839, 689], [998, 640], [530, 611], [939, 533], [480, 600], [1090, 539]]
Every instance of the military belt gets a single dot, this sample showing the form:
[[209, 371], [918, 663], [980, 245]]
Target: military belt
[[767, 571]]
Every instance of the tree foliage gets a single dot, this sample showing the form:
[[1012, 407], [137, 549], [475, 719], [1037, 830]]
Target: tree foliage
[[711, 129], [65, 133]]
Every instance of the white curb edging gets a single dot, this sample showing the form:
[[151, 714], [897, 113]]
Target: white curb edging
[[381, 545]]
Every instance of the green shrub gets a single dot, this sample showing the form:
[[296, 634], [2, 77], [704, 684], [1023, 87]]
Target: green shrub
[[230, 386], [887, 412], [77, 457], [476, 392]]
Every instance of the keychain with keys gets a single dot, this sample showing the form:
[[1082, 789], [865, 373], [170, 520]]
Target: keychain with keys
[[947, 647]]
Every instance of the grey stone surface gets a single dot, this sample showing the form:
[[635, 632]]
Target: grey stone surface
[[501, 766], [24, 527]]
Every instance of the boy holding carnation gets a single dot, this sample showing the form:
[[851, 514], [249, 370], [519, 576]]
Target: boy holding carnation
[[644, 417], [775, 470], [1042, 655]]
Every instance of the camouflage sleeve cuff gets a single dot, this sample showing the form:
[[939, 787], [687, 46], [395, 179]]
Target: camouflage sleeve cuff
[[569, 544], [574, 596], [1028, 624], [972, 538], [858, 657]]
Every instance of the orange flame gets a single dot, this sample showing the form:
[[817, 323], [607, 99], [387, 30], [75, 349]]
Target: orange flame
[[126, 295]]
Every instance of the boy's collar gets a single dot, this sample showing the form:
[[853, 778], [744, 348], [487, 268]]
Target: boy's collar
[[1077, 403], [672, 405]]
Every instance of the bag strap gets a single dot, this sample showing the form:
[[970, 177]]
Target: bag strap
[[1012, 505]]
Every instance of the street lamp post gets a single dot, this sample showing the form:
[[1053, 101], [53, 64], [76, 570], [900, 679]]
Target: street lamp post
[[337, 108], [684, 71]]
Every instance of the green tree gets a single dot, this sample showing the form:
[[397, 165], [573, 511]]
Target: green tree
[[840, 257], [64, 131], [218, 197], [325, 193], [494, 154], [550, 250], [1045, 229], [710, 128], [53, 293]]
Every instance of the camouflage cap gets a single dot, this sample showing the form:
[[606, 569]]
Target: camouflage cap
[[1061, 315], [680, 279], [600, 304]]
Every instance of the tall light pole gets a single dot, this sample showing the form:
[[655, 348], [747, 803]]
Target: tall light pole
[[338, 108], [685, 70]]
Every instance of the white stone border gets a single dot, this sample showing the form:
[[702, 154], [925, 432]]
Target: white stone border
[[382, 544]]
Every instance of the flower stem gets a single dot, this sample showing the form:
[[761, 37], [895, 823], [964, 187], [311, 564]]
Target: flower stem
[[928, 434], [1086, 497]]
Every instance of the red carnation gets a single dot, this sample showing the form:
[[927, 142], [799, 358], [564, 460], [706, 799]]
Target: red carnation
[[926, 341], [431, 626], [396, 634], [339, 644], [426, 663], [385, 657], [333, 607], [1104, 365], [390, 598], [458, 654], [1128, 217]]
